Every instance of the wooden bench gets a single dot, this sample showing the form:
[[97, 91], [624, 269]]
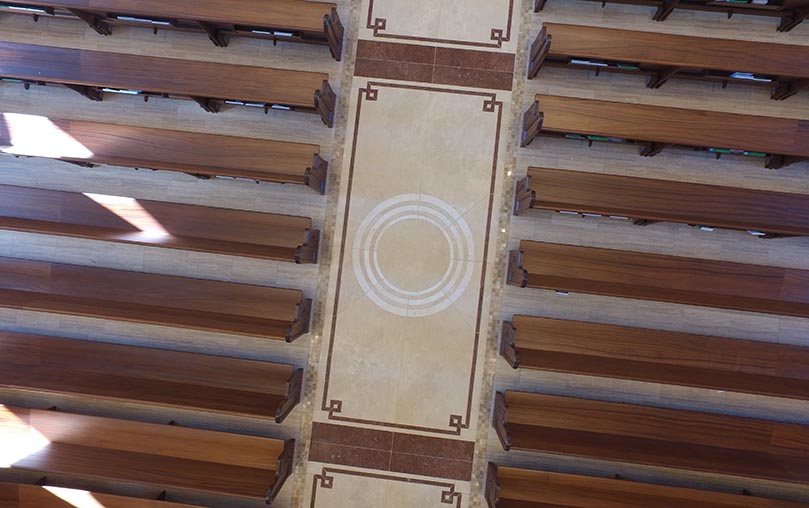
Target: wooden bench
[[782, 67], [512, 487], [201, 155], [662, 278], [656, 356], [97, 370], [17, 495], [158, 224], [146, 454], [672, 438], [279, 20], [781, 141], [765, 214], [209, 84], [165, 300], [790, 12]]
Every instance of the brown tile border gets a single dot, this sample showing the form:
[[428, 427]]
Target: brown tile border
[[497, 36], [326, 478], [392, 451], [456, 422], [430, 64]]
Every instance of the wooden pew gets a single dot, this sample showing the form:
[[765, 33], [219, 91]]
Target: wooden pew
[[662, 278], [765, 214], [634, 434], [782, 141], [158, 224], [782, 67], [511, 487], [172, 379], [94, 73], [17, 495], [201, 155], [279, 20], [165, 300], [656, 356], [790, 12], [145, 454]]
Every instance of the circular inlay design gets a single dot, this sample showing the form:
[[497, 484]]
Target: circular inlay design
[[413, 255]]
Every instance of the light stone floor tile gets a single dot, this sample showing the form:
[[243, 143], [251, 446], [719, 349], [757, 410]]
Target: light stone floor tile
[[413, 257], [329, 486], [491, 25]]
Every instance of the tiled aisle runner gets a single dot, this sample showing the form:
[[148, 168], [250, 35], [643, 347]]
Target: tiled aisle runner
[[407, 312]]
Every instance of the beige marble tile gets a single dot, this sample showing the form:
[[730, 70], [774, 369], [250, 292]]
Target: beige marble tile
[[491, 25], [404, 345], [345, 487]]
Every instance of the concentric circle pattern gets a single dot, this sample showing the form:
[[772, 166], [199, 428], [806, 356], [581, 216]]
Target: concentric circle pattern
[[421, 216]]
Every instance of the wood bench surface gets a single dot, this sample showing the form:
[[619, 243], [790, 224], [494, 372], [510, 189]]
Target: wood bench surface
[[290, 14], [659, 277], [162, 75], [631, 46], [16, 495], [670, 201], [188, 152], [167, 456], [166, 300], [657, 437], [172, 379], [155, 223], [657, 356], [527, 488], [689, 127]]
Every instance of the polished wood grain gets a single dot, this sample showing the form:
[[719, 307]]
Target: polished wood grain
[[677, 126], [160, 75], [657, 356], [17, 495], [679, 439], [285, 20], [183, 302], [188, 152], [176, 380], [159, 224], [513, 487], [776, 213], [659, 277], [669, 50], [293, 14], [790, 12], [164, 456]]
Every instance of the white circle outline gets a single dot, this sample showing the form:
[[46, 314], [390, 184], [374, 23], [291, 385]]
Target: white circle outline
[[446, 290]]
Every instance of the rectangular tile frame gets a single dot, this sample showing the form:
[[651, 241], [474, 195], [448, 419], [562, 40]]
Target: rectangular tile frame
[[456, 422]]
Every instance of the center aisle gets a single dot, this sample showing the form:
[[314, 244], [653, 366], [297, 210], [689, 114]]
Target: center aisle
[[407, 315]]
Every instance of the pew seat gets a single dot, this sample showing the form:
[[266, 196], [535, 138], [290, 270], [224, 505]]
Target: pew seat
[[790, 13], [779, 141], [766, 214], [210, 84], [280, 20], [164, 300], [669, 438], [18, 495], [172, 379], [513, 487], [784, 68], [158, 224], [656, 356], [202, 155], [146, 454], [660, 277]]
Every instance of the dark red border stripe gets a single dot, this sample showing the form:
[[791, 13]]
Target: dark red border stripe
[[430, 64], [392, 451]]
